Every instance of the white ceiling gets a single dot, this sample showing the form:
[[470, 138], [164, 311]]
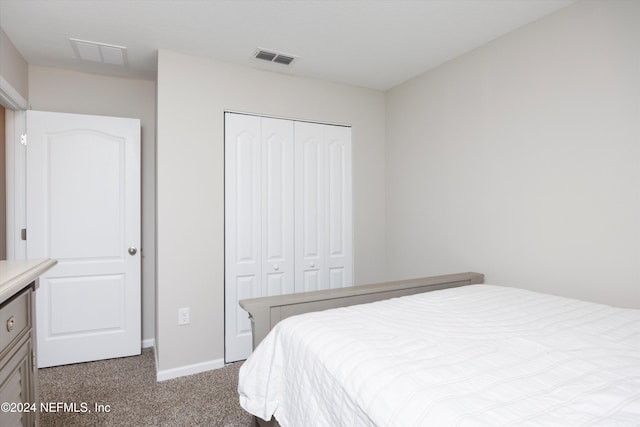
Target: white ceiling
[[376, 44]]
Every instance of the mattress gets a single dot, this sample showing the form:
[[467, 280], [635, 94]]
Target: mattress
[[478, 355]]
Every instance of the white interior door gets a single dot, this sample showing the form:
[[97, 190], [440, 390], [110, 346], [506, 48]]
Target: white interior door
[[83, 209], [323, 201], [310, 199], [258, 219], [277, 207], [339, 233], [243, 259]]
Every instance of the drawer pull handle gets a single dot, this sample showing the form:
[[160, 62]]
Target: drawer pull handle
[[10, 323]]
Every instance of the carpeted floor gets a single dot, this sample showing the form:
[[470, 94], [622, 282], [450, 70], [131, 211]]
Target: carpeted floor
[[127, 392]]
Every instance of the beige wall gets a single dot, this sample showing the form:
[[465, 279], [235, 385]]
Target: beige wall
[[52, 89], [192, 96], [520, 159], [13, 67]]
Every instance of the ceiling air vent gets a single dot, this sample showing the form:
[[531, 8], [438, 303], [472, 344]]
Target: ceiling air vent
[[99, 52], [271, 56]]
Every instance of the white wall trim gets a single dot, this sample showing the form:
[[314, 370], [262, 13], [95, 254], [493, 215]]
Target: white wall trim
[[16, 170], [11, 98], [151, 342], [182, 371], [268, 116], [15, 165]]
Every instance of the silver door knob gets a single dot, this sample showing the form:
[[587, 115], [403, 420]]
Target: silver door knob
[[312, 264], [276, 267], [133, 250]]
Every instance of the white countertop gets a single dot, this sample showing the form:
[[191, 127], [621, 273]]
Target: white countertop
[[16, 274]]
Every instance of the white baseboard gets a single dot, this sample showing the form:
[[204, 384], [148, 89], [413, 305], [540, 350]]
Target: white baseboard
[[151, 342], [182, 371]]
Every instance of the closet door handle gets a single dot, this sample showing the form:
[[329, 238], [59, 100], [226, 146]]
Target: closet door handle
[[276, 267]]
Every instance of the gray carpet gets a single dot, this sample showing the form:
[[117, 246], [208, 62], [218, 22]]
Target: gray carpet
[[128, 386]]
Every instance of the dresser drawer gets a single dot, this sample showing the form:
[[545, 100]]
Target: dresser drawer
[[15, 318]]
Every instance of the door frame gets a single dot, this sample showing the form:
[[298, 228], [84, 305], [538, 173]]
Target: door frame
[[16, 170]]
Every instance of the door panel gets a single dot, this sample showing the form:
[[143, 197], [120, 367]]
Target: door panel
[[83, 209], [243, 251], [258, 219], [101, 311], [245, 287], [93, 190], [247, 208], [338, 278], [277, 203], [310, 206], [339, 207]]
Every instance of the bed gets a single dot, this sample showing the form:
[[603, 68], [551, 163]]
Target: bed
[[471, 355]]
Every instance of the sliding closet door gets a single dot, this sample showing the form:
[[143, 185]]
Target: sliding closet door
[[258, 219], [323, 207]]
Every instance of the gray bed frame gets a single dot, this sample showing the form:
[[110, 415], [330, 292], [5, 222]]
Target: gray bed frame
[[265, 312]]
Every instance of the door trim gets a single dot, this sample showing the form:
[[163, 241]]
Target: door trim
[[10, 97], [267, 116], [16, 170]]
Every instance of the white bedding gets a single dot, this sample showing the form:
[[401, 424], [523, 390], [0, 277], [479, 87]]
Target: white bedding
[[477, 355]]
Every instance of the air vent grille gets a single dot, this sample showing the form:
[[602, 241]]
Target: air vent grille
[[283, 59], [272, 56], [267, 56], [99, 52]]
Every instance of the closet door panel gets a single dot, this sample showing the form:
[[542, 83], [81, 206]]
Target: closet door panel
[[243, 217], [247, 204], [246, 286], [338, 277], [277, 202], [339, 206], [310, 222]]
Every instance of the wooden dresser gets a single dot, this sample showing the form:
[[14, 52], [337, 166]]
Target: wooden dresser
[[18, 369]]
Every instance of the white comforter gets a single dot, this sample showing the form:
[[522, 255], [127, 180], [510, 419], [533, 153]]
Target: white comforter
[[477, 355]]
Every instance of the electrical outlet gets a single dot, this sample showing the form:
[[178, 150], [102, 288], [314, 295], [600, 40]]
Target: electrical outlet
[[183, 316]]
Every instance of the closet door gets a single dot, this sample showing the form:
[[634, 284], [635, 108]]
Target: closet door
[[277, 207], [323, 207], [287, 214], [310, 222], [339, 234], [259, 244], [243, 222]]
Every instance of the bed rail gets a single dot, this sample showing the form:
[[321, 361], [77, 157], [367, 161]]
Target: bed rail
[[265, 312]]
